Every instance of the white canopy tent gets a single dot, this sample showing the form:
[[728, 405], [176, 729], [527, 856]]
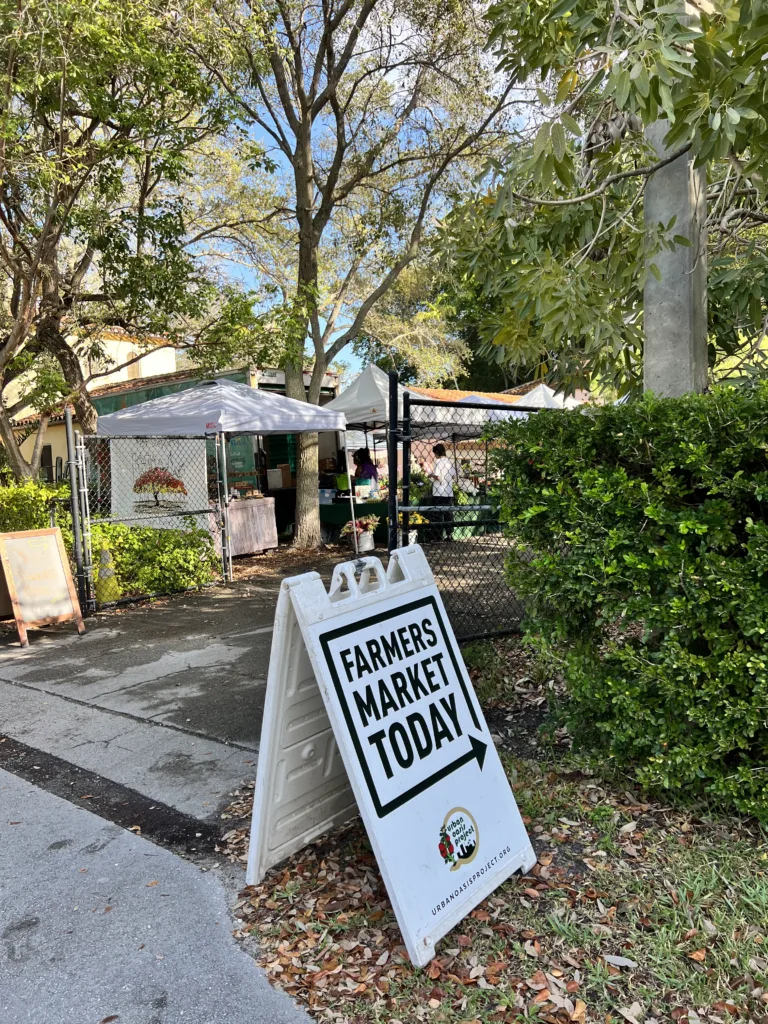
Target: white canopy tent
[[545, 397], [219, 408], [496, 414], [476, 412], [365, 403]]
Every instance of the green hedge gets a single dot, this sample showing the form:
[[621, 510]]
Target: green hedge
[[152, 561], [27, 506], [648, 581], [144, 560]]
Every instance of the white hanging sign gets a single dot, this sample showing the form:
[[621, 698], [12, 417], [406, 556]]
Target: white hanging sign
[[367, 692]]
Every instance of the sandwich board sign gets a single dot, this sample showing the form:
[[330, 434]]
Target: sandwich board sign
[[36, 586], [369, 704]]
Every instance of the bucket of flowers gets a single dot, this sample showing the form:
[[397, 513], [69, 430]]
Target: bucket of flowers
[[363, 527], [414, 519]]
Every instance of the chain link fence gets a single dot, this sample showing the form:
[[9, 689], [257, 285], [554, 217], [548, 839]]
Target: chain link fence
[[151, 510], [448, 507]]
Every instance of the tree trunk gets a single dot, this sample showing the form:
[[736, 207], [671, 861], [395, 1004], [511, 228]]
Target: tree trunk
[[21, 469], [307, 529], [53, 341], [307, 523]]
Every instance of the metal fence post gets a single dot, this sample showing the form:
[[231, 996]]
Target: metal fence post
[[85, 524], [392, 436], [406, 436], [74, 504]]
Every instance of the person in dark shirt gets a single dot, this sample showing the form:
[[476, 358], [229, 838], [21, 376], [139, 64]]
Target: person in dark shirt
[[364, 467]]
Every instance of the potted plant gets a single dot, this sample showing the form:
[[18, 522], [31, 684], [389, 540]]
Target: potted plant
[[364, 528], [414, 519]]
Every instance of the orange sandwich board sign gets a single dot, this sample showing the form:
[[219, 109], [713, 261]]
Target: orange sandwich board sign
[[369, 704], [36, 587]]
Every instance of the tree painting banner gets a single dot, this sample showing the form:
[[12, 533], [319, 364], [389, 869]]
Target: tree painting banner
[[155, 481]]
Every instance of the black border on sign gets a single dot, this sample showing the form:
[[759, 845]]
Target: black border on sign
[[373, 620]]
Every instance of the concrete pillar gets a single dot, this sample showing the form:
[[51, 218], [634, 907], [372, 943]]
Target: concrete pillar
[[675, 308]]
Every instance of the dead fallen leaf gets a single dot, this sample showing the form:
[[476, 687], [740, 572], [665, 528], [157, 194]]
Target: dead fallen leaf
[[619, 961], [150, 884], [108, 1020], [632, 1013], [579, 1012], [698, 955]]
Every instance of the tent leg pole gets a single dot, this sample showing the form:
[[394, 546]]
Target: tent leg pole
[[220, 508], [225, 486], [351, 495]]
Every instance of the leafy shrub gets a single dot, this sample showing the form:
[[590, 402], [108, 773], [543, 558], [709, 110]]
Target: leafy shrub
[[145, 560], [648, 580], [151, 561], [27, 506]]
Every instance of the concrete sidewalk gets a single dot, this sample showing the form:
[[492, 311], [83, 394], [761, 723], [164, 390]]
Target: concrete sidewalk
[[164, 699], [97, 923]]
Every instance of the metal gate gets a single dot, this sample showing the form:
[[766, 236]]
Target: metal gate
[[446, 503], [151, 513]]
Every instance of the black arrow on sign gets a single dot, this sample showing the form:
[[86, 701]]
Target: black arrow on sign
[[477, 753], [479, 750]]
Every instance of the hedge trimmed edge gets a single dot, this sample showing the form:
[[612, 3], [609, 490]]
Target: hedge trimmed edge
[[649, 580]]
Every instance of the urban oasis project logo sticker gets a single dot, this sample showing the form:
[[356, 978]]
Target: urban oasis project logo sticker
[[459, 838]]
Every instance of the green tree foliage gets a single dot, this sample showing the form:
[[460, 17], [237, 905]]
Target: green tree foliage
[[645, 578], [374, 112], [552, 254], [102, 108], [406, 331]]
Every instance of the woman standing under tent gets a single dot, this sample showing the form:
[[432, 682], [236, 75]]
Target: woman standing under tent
[[364, 466]]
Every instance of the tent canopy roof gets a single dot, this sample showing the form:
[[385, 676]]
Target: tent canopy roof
[[365, 403], [219, 406]]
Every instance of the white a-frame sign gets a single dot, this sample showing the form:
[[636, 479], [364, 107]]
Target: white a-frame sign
[[369, 703]]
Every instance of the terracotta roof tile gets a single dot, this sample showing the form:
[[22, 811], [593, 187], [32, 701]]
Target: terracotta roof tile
[[523, 389], [454, 395]]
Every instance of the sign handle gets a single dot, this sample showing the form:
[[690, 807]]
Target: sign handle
[[347, 572]]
